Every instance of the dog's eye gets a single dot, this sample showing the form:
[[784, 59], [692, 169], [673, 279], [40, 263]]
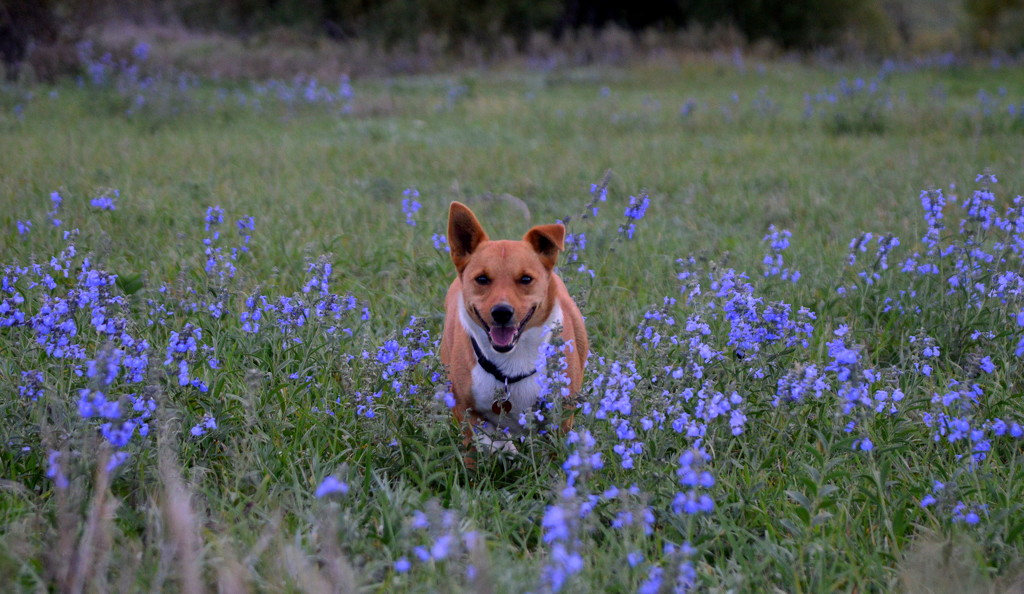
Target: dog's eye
[[483, 279], [525, 279]]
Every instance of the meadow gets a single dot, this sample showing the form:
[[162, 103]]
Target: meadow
[[220, 305]]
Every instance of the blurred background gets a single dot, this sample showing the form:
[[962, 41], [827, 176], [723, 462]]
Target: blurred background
[[273, 38]]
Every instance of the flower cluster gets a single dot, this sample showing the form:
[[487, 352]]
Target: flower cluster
[[636, 211], [220, 262], [921, 350], [208, 423], [441, 540], [331, 485], [410, 205], [852, 107], [681, 576], [145, 90], [778, 242], [695, 480], [879, 262], [561, 521], [182, 354], [56, 201], [316, 313], [107, 200]]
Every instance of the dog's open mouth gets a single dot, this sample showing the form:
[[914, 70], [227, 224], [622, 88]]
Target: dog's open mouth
[[504, 338]]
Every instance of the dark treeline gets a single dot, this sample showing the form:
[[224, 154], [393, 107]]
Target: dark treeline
[[50, 28], [790, 24]]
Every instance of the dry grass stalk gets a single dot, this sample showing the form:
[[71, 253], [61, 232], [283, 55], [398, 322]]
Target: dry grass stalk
[[182, 528], [334, 564], [92, 557]]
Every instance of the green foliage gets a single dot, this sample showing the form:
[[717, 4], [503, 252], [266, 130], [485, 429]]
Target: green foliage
[[995, 24], [804, 24], [723, 152]]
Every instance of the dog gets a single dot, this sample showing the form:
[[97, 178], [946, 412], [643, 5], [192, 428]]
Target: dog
[[505, 303]]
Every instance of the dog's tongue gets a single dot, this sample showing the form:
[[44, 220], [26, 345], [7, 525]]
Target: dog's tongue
[[502, 336]]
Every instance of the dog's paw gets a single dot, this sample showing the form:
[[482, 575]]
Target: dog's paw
[[485, 442]]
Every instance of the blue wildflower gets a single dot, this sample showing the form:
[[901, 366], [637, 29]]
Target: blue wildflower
[[32, 386], [410, 206], [402, 565], [634, 212], [329, 486], [105, 201], [56, 201], [206, 424], [778, 242], [141, 51], [54, 471]]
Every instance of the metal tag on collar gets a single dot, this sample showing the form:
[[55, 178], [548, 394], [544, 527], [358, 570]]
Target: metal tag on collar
[[505, 404]]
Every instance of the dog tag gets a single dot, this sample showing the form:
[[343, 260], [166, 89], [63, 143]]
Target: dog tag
[[504, 405]]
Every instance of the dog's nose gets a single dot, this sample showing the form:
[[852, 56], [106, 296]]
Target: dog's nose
[[502, 314]]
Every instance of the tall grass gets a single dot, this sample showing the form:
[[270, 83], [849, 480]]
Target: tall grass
[[219, 314]]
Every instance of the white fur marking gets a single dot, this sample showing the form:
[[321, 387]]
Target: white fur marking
[[520, 360]]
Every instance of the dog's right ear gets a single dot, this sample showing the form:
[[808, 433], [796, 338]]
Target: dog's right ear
[[464, 234]]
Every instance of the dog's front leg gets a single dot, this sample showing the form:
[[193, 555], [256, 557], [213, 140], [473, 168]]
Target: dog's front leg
[[469, 420]]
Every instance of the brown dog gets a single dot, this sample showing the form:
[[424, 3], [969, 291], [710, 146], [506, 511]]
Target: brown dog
[[501, 308]]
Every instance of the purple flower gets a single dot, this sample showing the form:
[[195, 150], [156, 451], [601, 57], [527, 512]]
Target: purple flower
[[319, 276], [635, 558], [636, 210], [637, 207], [564, 562], [402, 565], [420, 521], [105, 201], [555, 524], [56, 201], [33, 384], [93, 403], [441, 547], [208, 423], [141, 51], [410, 206], [54, 471], [778, 242], [116, 459], [118, 434], [863, 444], [331, 485], [214, 217], [968, 514]]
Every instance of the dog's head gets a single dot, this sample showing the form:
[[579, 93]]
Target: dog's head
[[506, 285]]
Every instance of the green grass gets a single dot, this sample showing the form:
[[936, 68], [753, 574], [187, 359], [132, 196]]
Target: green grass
[[797, 508]]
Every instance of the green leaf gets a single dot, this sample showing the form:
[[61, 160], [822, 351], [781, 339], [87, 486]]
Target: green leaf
[[792, 528], [129, 283], [827, 490], [822, 517], [800, 498]]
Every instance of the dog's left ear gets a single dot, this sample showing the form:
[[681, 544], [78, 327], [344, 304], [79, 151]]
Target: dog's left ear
[[547, 241], [464, 234]]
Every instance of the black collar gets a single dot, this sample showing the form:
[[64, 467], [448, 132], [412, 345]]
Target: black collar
[[492, 369]]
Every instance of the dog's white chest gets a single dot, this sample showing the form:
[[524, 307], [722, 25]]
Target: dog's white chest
[[490, 395], [521, 395]]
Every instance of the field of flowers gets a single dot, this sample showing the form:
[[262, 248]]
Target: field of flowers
[[220, 306]]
